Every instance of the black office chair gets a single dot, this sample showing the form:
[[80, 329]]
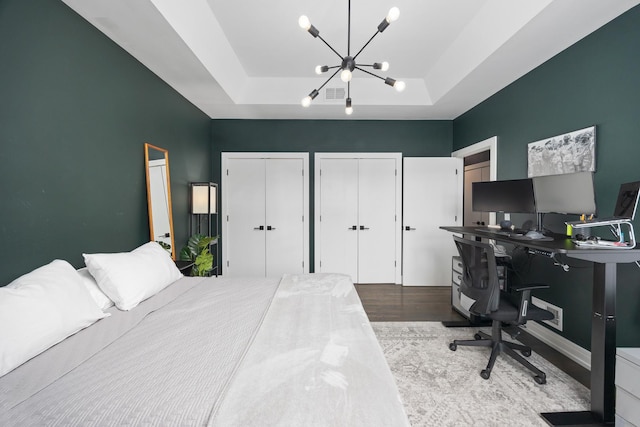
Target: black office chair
[[480, 283]]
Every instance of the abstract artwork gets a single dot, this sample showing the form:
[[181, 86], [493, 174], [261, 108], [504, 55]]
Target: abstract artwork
[[568, 153]]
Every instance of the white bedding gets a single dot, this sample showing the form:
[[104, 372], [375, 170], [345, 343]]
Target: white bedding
[[217, 352]]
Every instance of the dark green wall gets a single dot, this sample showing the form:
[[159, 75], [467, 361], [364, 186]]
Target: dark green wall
[[75, 110], [594, 82], [412, 138]]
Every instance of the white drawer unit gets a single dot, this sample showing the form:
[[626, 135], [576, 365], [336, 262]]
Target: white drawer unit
[[628, 387], [456, 277]]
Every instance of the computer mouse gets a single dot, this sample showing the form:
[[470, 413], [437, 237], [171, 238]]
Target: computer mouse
[[533, 234]]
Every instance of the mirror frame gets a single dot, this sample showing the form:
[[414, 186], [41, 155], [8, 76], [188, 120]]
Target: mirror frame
[[147, 147]]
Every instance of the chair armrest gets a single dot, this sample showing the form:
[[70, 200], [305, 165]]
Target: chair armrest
[[525, 294], [530, 287]]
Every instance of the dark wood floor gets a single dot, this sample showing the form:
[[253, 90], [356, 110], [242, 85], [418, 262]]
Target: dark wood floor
[[394, 303]]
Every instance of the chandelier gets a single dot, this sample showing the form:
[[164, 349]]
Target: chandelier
[[348, 63]]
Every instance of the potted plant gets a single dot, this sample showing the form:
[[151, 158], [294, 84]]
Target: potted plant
[[198, 251]]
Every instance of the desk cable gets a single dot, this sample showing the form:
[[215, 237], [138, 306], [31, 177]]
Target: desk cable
[[557, 262]]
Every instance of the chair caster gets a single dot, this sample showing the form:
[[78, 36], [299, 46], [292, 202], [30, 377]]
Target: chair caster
[[485, 374], [526, 353], [453, 346], [477, 336], [540, 379]]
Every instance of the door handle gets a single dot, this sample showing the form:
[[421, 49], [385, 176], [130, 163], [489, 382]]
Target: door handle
[[165, 235], [407, 228], [259, 228], [270, 228], [362, 227], [353, 227]]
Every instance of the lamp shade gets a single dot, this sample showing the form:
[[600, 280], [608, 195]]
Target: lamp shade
[[204, 196]]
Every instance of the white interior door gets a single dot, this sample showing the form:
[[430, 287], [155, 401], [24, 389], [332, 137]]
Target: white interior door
[[376, 220], [338, 219], [245, 231], [265, 210], [354, 191], [432, 197], [284, 220]]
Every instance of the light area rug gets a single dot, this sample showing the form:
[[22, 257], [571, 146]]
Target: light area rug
[[440, 387]]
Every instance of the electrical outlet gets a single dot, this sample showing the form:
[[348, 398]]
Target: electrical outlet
[[556, 322]]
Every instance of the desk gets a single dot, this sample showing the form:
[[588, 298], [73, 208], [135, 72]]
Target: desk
[[603, 321]]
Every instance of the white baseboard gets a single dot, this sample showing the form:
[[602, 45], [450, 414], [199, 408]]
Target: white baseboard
[[447, 285], [561, 344]]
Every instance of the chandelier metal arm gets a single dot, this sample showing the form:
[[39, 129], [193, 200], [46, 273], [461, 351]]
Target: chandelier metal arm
[[365, 45], [368, 72], [349, 28], [329, 46], [327, 81]]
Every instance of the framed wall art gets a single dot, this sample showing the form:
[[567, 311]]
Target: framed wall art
[[572, 152]]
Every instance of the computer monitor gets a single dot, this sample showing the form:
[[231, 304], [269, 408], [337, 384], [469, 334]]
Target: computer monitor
[[511, 196], [570, 193], [627, 200]]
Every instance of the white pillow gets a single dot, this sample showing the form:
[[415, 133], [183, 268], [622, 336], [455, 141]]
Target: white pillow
[[40, 309], [131, 277], [90, 283]]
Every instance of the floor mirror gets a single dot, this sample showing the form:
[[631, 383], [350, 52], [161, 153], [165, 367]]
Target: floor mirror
[[156, 161]]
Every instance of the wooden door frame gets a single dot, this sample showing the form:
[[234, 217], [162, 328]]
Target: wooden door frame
[[316, 173], [226, 156]]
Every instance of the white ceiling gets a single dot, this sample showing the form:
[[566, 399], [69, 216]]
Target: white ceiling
[[250, 59]]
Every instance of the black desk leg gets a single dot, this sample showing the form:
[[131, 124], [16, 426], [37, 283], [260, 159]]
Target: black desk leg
[[603, 354]]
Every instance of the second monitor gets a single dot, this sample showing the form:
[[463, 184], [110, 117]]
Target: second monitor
[[570, 193]]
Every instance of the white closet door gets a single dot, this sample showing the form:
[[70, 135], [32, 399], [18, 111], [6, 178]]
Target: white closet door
[[338, 223], [284, 218], [377, 220], [432, 198], [245, 193]]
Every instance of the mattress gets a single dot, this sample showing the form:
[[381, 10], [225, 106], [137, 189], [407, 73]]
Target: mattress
[[215, 351]]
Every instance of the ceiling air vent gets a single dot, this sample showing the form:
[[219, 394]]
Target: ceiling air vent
[[334, 94]]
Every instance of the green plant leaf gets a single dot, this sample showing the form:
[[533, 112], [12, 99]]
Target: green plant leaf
[[197, 250]]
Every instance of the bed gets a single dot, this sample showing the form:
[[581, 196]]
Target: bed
[[298, 351]]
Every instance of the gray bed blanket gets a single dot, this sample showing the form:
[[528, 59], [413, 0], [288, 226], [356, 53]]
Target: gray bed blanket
[[222, 352], [315, 362], [168, 370]]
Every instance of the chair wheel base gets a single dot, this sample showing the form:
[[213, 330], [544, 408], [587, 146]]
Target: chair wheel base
[[453, 347], [526, 353], [485, 374], [540, 379]]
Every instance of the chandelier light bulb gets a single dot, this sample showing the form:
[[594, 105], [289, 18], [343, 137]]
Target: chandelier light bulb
[[318, 69], [400, 85], [306, 101], [385, 66], [304, 22], [345, 76], [348, 109], [393, 15]]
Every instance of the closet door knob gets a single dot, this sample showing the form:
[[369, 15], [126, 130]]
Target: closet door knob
[[259, 228], [362, 227], [408, 228], [270, 228], [353, 227]]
